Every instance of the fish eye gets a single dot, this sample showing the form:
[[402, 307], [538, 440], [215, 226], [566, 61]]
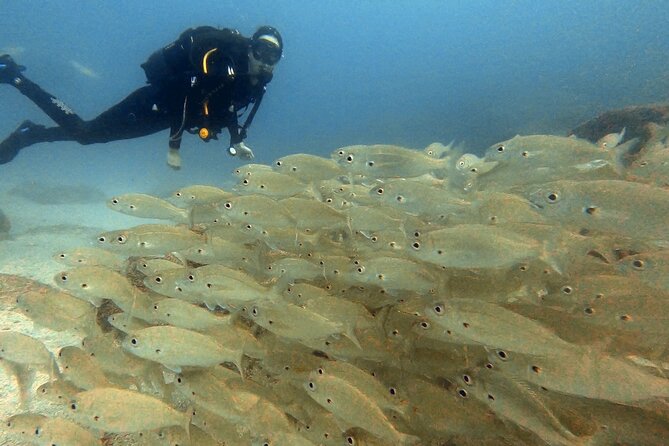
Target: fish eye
[[399, 198], [114, 200], [467, 379], [227, 205], [73, 406], [254, 311], [134, 341], [500, 148], [379, 191], [63, 277], [341, 153], [279, 163], [177, 194], [349, 158], [524, 153], [552, 197], [191, 278], [392, 391], [158, 279], [424, 325], [350, 440], [245, 181], [415, 246], [638, 264], [463, 393], [102, 239], [438, 309], [321, 371], [361, 269], [311, 385], [121, 239], [501, 354], [370, 163]]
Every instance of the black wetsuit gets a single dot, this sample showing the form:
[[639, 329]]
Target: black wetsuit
[[200, 81]]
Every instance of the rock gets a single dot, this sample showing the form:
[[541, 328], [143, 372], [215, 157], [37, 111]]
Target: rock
[[635, 119]]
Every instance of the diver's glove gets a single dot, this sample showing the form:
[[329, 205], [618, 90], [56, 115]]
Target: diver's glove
[[241, 150], [174, 158]]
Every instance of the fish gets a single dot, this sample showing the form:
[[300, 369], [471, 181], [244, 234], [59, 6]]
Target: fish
[[106, 409], [83, 69], [23, 425], [126, 323], [94, 284], [311, 214], [199, 194], [494, 326], [438, 150], [256, 209], [149, 239], [387, 161], [176, 347], [384, 397], [308, 168], [611, 140], [58, 311], [516, 402], [351, 405], [81, 369], [251, 169], [420, 199], [186, 315], [153, 266], [24, 356], [470, 164], [475, 246], [273, 184], [585, 373], [605, 206], [91, 256], [394, 274], [297, 322], [148, 206]]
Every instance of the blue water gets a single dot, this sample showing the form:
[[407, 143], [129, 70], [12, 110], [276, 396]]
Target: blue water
[[403, 72]]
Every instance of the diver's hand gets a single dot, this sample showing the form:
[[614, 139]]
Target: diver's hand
[[174, 159], [241, 150]]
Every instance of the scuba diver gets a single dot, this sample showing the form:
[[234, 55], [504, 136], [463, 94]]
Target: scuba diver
[[201, 83]]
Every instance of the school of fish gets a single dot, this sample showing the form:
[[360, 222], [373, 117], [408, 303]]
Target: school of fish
[[383, 296]]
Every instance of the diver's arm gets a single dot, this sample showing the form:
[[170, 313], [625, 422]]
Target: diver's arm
[[176, 133]]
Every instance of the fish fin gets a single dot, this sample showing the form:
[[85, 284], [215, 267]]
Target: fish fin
[[173, 368], [620, 153], [350, 334]]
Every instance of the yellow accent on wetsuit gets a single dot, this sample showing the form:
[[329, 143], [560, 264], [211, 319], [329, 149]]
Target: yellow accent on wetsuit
[[204, 60]]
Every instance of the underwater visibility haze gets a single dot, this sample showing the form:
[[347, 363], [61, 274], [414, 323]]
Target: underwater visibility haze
[[453, 232]]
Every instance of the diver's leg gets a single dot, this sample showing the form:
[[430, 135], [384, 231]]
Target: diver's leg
[[29, 133], [135, 116], [10, 73]]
